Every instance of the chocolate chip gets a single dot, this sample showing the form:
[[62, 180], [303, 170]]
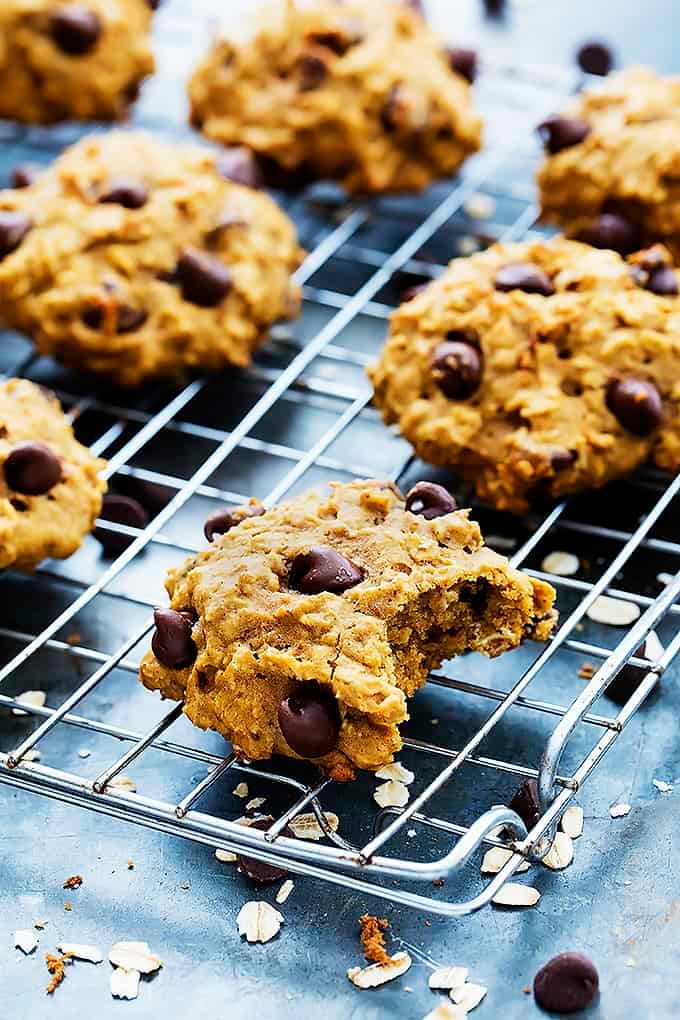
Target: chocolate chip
[[238, 164], [127, 319], [323, 569], [13, 229], [312, 71], [411, 292], [338, 40], [204, 280], [457, 369], [32, 469], [25, 174], [524, 276], [154, 4], [119, 510], [126, 191], [636, 404], [562, 460], [256, 870], [663, 282], [595, 58], [567, 983], [75, 29], [610, 230], [172, 643], [629, 677], [463, 61], [526, 803], [221, 521], [309, 719], [558, 133], [429, 500]]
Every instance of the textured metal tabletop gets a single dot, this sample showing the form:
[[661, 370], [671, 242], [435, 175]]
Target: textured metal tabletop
[[619, 902]]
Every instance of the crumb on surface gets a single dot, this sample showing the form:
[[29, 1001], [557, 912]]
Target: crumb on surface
[[67, 906], [372, 935], [130, 865], [56, 966], [73, 882], [587, 671]]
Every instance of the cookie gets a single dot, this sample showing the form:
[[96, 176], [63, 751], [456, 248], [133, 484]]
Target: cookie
[[364, 95], [50, 485], [538, 369], [72, 61], [610, 176], [303, 630], [135, 258]]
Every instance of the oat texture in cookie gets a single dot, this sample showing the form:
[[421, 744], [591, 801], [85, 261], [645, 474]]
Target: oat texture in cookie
[[365, 95], [134, 258], [536, 370], [302, 631], [611, 169], [72, 61], [50, 485]]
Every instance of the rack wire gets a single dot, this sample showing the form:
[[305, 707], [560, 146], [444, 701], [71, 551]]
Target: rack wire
[[301, 416]]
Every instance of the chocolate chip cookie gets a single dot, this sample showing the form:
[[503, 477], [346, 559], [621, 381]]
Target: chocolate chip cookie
[[303, 630], [72, 61], [365, 95], [611, 173], [50, 485], [539, 369], [135, 258]]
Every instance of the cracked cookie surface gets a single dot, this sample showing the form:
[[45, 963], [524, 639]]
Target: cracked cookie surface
[[363, 95], [136, 258], [538, 369], [303, 630]]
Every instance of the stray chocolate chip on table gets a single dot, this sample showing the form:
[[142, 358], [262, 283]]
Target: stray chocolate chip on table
[[526, 803], [256, 870], [595, 58], [567, 983]]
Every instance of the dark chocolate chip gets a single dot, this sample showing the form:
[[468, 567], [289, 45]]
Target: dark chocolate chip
[[629, 677], [636, 404], [457, 369], [663, 282], [312, 70], [204, 280], [526, 803], [75, 29], [524, 276], [119, 510], [562, 460], [463, 61], [32, 469], [338, 40], [13, 229], [239, 164], [411, 292], [610, 230], [126, 191], [567, 983], [25, 174], [595, 58], [172, 643], [128, 319], [429, 500], [154, 4], [323, 569], [256, 870], [310, 721], [494, 6], [221, 521], [559, 133]]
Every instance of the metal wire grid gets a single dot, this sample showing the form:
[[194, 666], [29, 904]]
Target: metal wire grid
[[361, 867]]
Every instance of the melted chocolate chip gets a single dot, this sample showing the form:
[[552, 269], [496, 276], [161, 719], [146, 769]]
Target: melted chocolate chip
[[119, 510], [172, 643], [567, 983], [221, 521], [127, 319], [312, 71], [338, 40], [524, 276], [310, 721], [239, 164], [24, 175], [457, 369], [595, 58], [558, 133], [32, 469], [610, 230], [429, 500], [256, 870], [663, 282], [526, 803], [323, 569], [126, 191], [636, 404], [75, 29], [463, 62], [562, 460], [204, 280], [13, 229]]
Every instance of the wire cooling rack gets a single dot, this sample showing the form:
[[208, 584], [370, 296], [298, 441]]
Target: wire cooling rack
[[299, 417]]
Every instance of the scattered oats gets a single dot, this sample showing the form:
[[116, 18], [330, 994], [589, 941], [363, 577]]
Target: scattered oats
[[665, 579], [25, 940], [307, 826], [255, 803], [124, 983], [32, 755], [446, 978], [662, 786], [397, 772], [469, 995], [73, 882], [615, 612], [134, 956], [479, 206], [496, 858], [467, 245], [35, 698], [241, 790], [513, 894], [587, 671], [561, 853], [123, 783], [434, 722], [572, 821], [619, 810], [380, 973], [391, 794], [258, 921], [92, 954], [411, 833], [407, 988], [563, 564], [447, 1011], [504, 542], [285, 891], [225, 856], [84, 753]]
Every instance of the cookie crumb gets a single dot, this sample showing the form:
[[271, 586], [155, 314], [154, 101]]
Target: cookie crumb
[[67, 906], [587, 671], [56, 965], [73, 882], [372, 935]]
